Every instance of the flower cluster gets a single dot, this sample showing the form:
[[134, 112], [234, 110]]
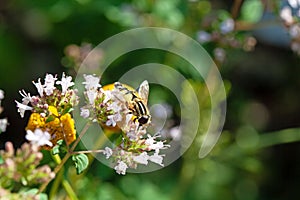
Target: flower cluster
[[110, 107], [290, 14], [51, 108], [21, 168], [220, 30], [133, 152], [4, 121]]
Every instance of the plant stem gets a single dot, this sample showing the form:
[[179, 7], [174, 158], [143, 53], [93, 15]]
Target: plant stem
[[60, 178], [279, 137], [69, 189], [55, 184], [88, 151], [85, 128], [66, 157]]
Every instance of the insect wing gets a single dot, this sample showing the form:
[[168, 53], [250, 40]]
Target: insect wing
[[143, 91]]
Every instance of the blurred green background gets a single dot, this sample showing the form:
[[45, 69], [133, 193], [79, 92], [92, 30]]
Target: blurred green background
[[257, 155]]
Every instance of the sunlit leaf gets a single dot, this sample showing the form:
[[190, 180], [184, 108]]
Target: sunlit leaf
[[81, 162], [34, 191], [252, 10], [50, 118], [68, 109], [56, 148]]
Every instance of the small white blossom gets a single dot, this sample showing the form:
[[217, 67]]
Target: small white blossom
[[158, 159], [121, 167], [113, 119], [153, 144], [295, 31], [39, 87], [219, 54], [91, 82], [107, 152], [150, 140], [203, 36], [142, 158], [107, 95], [175, 133], [91, 95], [26, 97], [1, 94], [227, 26], [115, 106], [49, 84], [286, 15], [132, 135], [65, 82], [3, 124], [39, 137], [294, 3], [85, 113], [22, 108]]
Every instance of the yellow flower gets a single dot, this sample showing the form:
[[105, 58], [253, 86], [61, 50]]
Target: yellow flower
[[62, 127]]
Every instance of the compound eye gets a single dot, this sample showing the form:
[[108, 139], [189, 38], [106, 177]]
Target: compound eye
[[143, 120]]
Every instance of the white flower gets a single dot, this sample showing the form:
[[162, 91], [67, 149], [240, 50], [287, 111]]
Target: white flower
[[113, 119], [150, 140], [121, 168], [26, 97], [132, 135], [295, 31], [294, 3], [227, 26], [107, 152], [85, 113], [219, 54], [3, 124], [65, 83], [39, 137], [175, 133], [91, 95], [1, 94], [203, 36], [108, 95], [286, 15], [142, 158], [39, 87], [91, 82], [153, 144], [114, 106], [22, 108], [158, 159], [49, 84]]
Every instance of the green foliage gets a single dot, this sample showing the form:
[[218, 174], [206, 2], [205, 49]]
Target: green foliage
[[252, 10], [21, 171], [81, 162], [253, 153], [57, 148], [50, 118]]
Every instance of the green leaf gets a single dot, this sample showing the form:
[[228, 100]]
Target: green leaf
[[81, 162], [56, 148], [119, 140], [252, 10], [1, 160], [34, 191], [68, 109], [50, 118]]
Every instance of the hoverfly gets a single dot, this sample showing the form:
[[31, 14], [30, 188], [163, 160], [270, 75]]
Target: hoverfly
[[136, 100]]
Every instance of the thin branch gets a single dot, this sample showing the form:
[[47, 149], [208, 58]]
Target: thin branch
[[236, 7]]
